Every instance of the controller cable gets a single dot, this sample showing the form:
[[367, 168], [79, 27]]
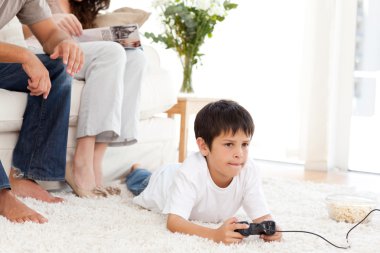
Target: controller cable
[[340, 247]]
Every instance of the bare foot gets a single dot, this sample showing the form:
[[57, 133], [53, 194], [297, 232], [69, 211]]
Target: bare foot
[[98, 174], [83, 175], [16, 211], [134, 166], [99, 151], [28, 188]]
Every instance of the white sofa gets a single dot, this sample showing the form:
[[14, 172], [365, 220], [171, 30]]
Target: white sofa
[[157, 142]]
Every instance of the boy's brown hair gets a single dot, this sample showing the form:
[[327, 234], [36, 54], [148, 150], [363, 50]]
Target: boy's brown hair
[[220, 117]]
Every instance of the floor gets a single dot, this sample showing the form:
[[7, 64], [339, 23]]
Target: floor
[[362, 181]]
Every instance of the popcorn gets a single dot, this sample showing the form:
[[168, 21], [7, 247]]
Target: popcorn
[[347, 213], [349, 208]]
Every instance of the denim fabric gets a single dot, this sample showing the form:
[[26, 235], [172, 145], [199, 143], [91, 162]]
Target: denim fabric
[[4, 182], [40, 152], [138, 180]]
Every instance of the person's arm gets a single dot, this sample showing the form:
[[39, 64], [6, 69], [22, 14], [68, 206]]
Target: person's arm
[[58, 44], [268, 238], [225, 233], [39, 81], [13, 53], [26, 31], [69, 23]]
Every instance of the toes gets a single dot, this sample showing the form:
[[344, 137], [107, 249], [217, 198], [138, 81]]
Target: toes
[[40, 219], [57, 200], [113, 190], [100, 192], [19, 220]]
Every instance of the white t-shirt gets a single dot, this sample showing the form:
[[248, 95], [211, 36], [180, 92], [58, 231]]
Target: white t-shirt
[[188, 190]]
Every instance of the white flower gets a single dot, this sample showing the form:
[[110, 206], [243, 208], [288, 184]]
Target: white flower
[[217, 10], [214, 7], [162, 3], [203, 4]]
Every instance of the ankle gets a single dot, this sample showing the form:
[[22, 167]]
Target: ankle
[[4, 192], [4, 195]]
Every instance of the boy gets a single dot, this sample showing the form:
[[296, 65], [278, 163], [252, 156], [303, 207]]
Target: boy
[[212, 184]]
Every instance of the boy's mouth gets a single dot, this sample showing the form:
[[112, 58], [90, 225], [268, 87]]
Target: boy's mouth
[[236, 164]]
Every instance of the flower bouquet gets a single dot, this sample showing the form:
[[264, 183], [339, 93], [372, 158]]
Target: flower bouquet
[[186, 25]]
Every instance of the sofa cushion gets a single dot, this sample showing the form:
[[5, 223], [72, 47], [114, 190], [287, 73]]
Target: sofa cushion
[[158, 93], [122, 16], [157, 96]]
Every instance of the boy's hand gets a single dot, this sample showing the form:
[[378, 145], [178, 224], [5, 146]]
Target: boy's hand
[[276, 237], [269, 238], [226, 233]]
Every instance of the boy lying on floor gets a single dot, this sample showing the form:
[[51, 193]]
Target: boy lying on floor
[[212, 184]]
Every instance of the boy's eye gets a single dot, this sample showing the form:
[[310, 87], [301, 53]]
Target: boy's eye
[[228, 144], [245, 144]]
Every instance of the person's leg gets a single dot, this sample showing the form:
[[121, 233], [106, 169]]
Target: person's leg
[[83, 171], [13, 209], [4, 182], [40, 152], [137, 180], [100, 108], [102, 94], [100, 149], [133, 78]]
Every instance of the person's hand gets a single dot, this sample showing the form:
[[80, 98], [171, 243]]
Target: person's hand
[[39, 80], [68, 23], [226, 234], [275, 237], [71, 54]]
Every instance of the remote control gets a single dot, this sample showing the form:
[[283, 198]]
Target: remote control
[[265, 227]]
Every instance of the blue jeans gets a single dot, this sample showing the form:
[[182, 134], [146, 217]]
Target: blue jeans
[[4, 182], [40, 152], [138, 180]]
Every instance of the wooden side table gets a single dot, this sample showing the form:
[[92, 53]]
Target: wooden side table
[[185, 107]]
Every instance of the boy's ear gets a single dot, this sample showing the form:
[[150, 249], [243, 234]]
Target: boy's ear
[[203, 148]]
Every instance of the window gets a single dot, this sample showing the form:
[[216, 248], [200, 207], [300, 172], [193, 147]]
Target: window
[[365, 120]]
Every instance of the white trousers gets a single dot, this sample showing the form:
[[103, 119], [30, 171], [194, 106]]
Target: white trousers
[[110, 100]]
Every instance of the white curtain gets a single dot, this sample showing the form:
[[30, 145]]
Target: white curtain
[[327, 82]]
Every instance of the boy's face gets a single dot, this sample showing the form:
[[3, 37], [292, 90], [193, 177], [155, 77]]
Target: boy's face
[[227, 156]]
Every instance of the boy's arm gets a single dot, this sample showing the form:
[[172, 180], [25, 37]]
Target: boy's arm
[[276, 237], [225, 233]]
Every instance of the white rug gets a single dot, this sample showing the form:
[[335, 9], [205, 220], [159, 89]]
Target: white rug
[[116, 225]]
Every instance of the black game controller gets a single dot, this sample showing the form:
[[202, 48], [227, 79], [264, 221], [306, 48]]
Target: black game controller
[[265, 227]]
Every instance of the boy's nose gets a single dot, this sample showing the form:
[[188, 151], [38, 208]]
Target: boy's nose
[[238, 153]]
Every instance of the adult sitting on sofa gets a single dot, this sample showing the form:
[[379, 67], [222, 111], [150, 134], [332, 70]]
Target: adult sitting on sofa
[[157, 143], [40, 150], [110, 103]]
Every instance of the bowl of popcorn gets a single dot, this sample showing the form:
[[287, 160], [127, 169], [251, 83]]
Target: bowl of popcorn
[[350, 208]]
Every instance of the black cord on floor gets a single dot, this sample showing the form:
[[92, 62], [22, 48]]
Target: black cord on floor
[[339, 247], [307, 232]]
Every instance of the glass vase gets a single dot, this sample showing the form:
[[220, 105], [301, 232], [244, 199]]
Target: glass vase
[[187, 72]]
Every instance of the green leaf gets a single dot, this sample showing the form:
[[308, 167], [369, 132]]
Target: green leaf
[[186, 28]]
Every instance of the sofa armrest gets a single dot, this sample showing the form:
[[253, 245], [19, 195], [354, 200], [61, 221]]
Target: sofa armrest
[[158, 91]]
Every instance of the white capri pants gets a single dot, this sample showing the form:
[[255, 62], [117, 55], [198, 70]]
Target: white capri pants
[[110, 100]]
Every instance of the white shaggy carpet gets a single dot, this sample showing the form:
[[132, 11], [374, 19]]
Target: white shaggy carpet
[[116, 225]]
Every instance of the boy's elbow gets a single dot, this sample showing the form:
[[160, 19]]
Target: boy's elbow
[[172, 223], [169, 223]]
